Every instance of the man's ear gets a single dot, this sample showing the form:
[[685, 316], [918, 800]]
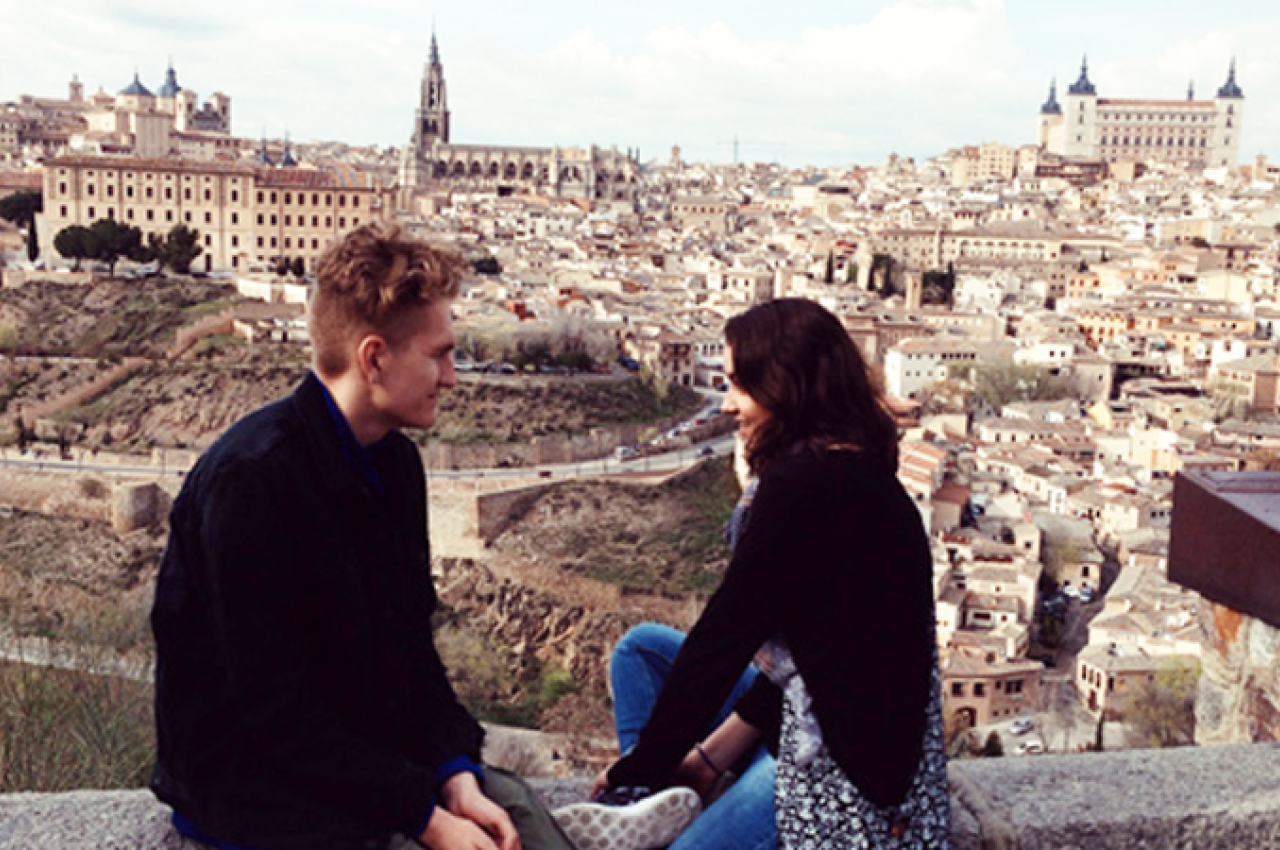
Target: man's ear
[[370, 353]]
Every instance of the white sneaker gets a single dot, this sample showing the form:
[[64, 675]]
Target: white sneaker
[[651, 823]]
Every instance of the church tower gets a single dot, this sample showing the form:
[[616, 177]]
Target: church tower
[[433, 109], [430, 127]]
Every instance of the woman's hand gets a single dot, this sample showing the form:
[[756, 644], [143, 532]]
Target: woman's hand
[[602, 781]]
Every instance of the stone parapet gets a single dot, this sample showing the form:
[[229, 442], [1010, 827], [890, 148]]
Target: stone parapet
[[1202, 797]]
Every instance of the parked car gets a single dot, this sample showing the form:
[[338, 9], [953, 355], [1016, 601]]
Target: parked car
[[1086, 594], [1022, 725], [706, 451], [1033, 746], [1070, 591]]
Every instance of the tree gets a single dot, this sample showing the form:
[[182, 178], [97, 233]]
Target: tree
[[282, 266], [993, 747], [829, 275], [21, 209], [487, 265], [177, 249], [112, 240], [299, 268], [75, 242], [1162, 712]]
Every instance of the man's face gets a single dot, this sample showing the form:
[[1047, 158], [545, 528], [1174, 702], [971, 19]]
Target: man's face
[[412, 373]]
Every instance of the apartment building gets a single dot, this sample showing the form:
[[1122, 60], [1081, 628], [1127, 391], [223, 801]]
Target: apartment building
[[246, 215]]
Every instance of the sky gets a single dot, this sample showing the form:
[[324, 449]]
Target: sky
[[804, 82]]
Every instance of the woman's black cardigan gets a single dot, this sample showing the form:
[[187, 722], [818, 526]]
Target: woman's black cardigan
[[834, 560]]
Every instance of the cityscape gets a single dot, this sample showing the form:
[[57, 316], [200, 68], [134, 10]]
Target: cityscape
[[1064, 324]]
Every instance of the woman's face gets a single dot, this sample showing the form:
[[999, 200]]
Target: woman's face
[[751, 414]]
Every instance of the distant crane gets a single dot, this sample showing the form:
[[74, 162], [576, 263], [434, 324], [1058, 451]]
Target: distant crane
[[736, 141]]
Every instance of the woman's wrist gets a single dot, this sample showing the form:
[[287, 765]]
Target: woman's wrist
[[708, 760]]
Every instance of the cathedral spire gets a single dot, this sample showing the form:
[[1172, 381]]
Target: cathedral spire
[[1082, 85], [1230, 88], [435, 48], [1051, 106]]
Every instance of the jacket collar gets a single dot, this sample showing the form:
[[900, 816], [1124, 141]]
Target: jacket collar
[[322, 432]]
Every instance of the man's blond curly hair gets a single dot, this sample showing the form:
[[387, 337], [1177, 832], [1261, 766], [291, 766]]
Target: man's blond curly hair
[[368, 282]]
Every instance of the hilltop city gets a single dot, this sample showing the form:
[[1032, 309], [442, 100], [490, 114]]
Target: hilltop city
[[1062, 325]]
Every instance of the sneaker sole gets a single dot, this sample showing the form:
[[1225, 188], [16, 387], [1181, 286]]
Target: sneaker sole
[[651, 823]]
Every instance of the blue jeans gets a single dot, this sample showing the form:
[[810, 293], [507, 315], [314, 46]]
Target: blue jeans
[[742, 817]]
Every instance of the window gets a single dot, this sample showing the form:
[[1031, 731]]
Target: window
[[88, 190], [957, 689], [979, 689], [149, 193], [342, 200], [128, 191], [235, 196], [342, 223], [355, 202], [235, 241], [288, 198], [186, 216], [273, 219], [128, 214], [1013, 686], [151, 215], [63, 211], [208, 218], [315, 221], [186, 194], [168, 193], [273, 242], [111, 191], [208, 240], [288, 220], [62, 188], [273, 197], [260, 197], [260, 241], [91, 214], [286, 243], [260, 218], [208, 194], [235, 218]]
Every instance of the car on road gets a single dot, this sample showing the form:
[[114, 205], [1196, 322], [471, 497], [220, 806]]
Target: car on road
[[1070, 591], [1033, 746], [1022, 725], [706, 451], [1086, 594]]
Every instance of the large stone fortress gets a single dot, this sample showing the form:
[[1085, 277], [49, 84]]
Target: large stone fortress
[[1123, 130], [432, 162]]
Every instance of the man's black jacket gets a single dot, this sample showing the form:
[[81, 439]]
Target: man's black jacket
[[300, 701]]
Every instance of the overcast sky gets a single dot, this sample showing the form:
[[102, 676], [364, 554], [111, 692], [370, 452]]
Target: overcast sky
[[821, 82]]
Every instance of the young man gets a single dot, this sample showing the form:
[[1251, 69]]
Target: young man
[[300, 700]]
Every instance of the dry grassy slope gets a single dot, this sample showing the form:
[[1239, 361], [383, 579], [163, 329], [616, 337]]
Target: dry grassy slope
[[75, 579], [109, 317], [663, 539]]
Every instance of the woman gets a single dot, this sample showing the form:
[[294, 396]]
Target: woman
[[830, 581]]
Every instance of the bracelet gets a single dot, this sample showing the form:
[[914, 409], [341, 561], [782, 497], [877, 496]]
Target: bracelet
[[718, 772]]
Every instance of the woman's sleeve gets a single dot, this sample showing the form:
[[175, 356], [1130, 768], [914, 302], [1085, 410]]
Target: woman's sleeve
[[772, 572]]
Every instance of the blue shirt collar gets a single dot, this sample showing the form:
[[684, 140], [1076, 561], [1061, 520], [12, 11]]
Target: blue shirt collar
[[362, 460]]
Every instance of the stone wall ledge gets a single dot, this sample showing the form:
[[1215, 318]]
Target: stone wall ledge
[[1202, 797]]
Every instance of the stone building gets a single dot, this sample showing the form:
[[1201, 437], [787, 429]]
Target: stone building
[[433, 162], [135, 121], [1128, 129], [246, 215]]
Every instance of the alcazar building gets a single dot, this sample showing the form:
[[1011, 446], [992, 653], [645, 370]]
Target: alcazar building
[[1188, 131], [432, 161]]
